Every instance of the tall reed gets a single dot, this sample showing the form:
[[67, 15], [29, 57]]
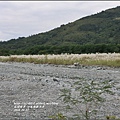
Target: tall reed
[[106, 59]]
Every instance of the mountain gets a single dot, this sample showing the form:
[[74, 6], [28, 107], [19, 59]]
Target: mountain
[[95, 33]]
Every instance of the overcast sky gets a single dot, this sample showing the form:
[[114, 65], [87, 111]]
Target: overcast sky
[[25, 18]]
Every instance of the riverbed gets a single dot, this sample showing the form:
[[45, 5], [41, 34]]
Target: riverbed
[[30, 91]]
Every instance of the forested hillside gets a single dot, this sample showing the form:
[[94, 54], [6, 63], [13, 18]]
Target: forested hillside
[[95, 33]]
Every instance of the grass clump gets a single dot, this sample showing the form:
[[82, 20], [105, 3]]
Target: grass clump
[[110, 63], [104, 59]]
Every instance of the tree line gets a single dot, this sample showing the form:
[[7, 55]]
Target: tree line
[[75, 49]]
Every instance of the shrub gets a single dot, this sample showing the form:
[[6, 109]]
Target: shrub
[[86, 97]]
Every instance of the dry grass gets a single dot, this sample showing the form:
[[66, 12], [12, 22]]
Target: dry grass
[[110, 59]]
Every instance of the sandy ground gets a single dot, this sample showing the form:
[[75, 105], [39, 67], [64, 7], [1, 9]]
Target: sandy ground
[[30, 91]]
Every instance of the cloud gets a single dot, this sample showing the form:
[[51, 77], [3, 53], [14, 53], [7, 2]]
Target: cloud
[[24, 18]]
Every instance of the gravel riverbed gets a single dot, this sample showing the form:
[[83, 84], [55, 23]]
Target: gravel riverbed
[[30, 91]]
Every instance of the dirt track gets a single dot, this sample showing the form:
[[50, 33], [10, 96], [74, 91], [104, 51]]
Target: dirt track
[[35, 88]]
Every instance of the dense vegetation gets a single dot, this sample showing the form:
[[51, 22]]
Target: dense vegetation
[[94, 33]]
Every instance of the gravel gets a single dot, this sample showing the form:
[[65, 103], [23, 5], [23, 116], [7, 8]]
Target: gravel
[[30, 91]]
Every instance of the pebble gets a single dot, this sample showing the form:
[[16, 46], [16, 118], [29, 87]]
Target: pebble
[[28, 82]]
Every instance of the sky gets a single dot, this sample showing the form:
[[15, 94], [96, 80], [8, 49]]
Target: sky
[[26, 18]]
